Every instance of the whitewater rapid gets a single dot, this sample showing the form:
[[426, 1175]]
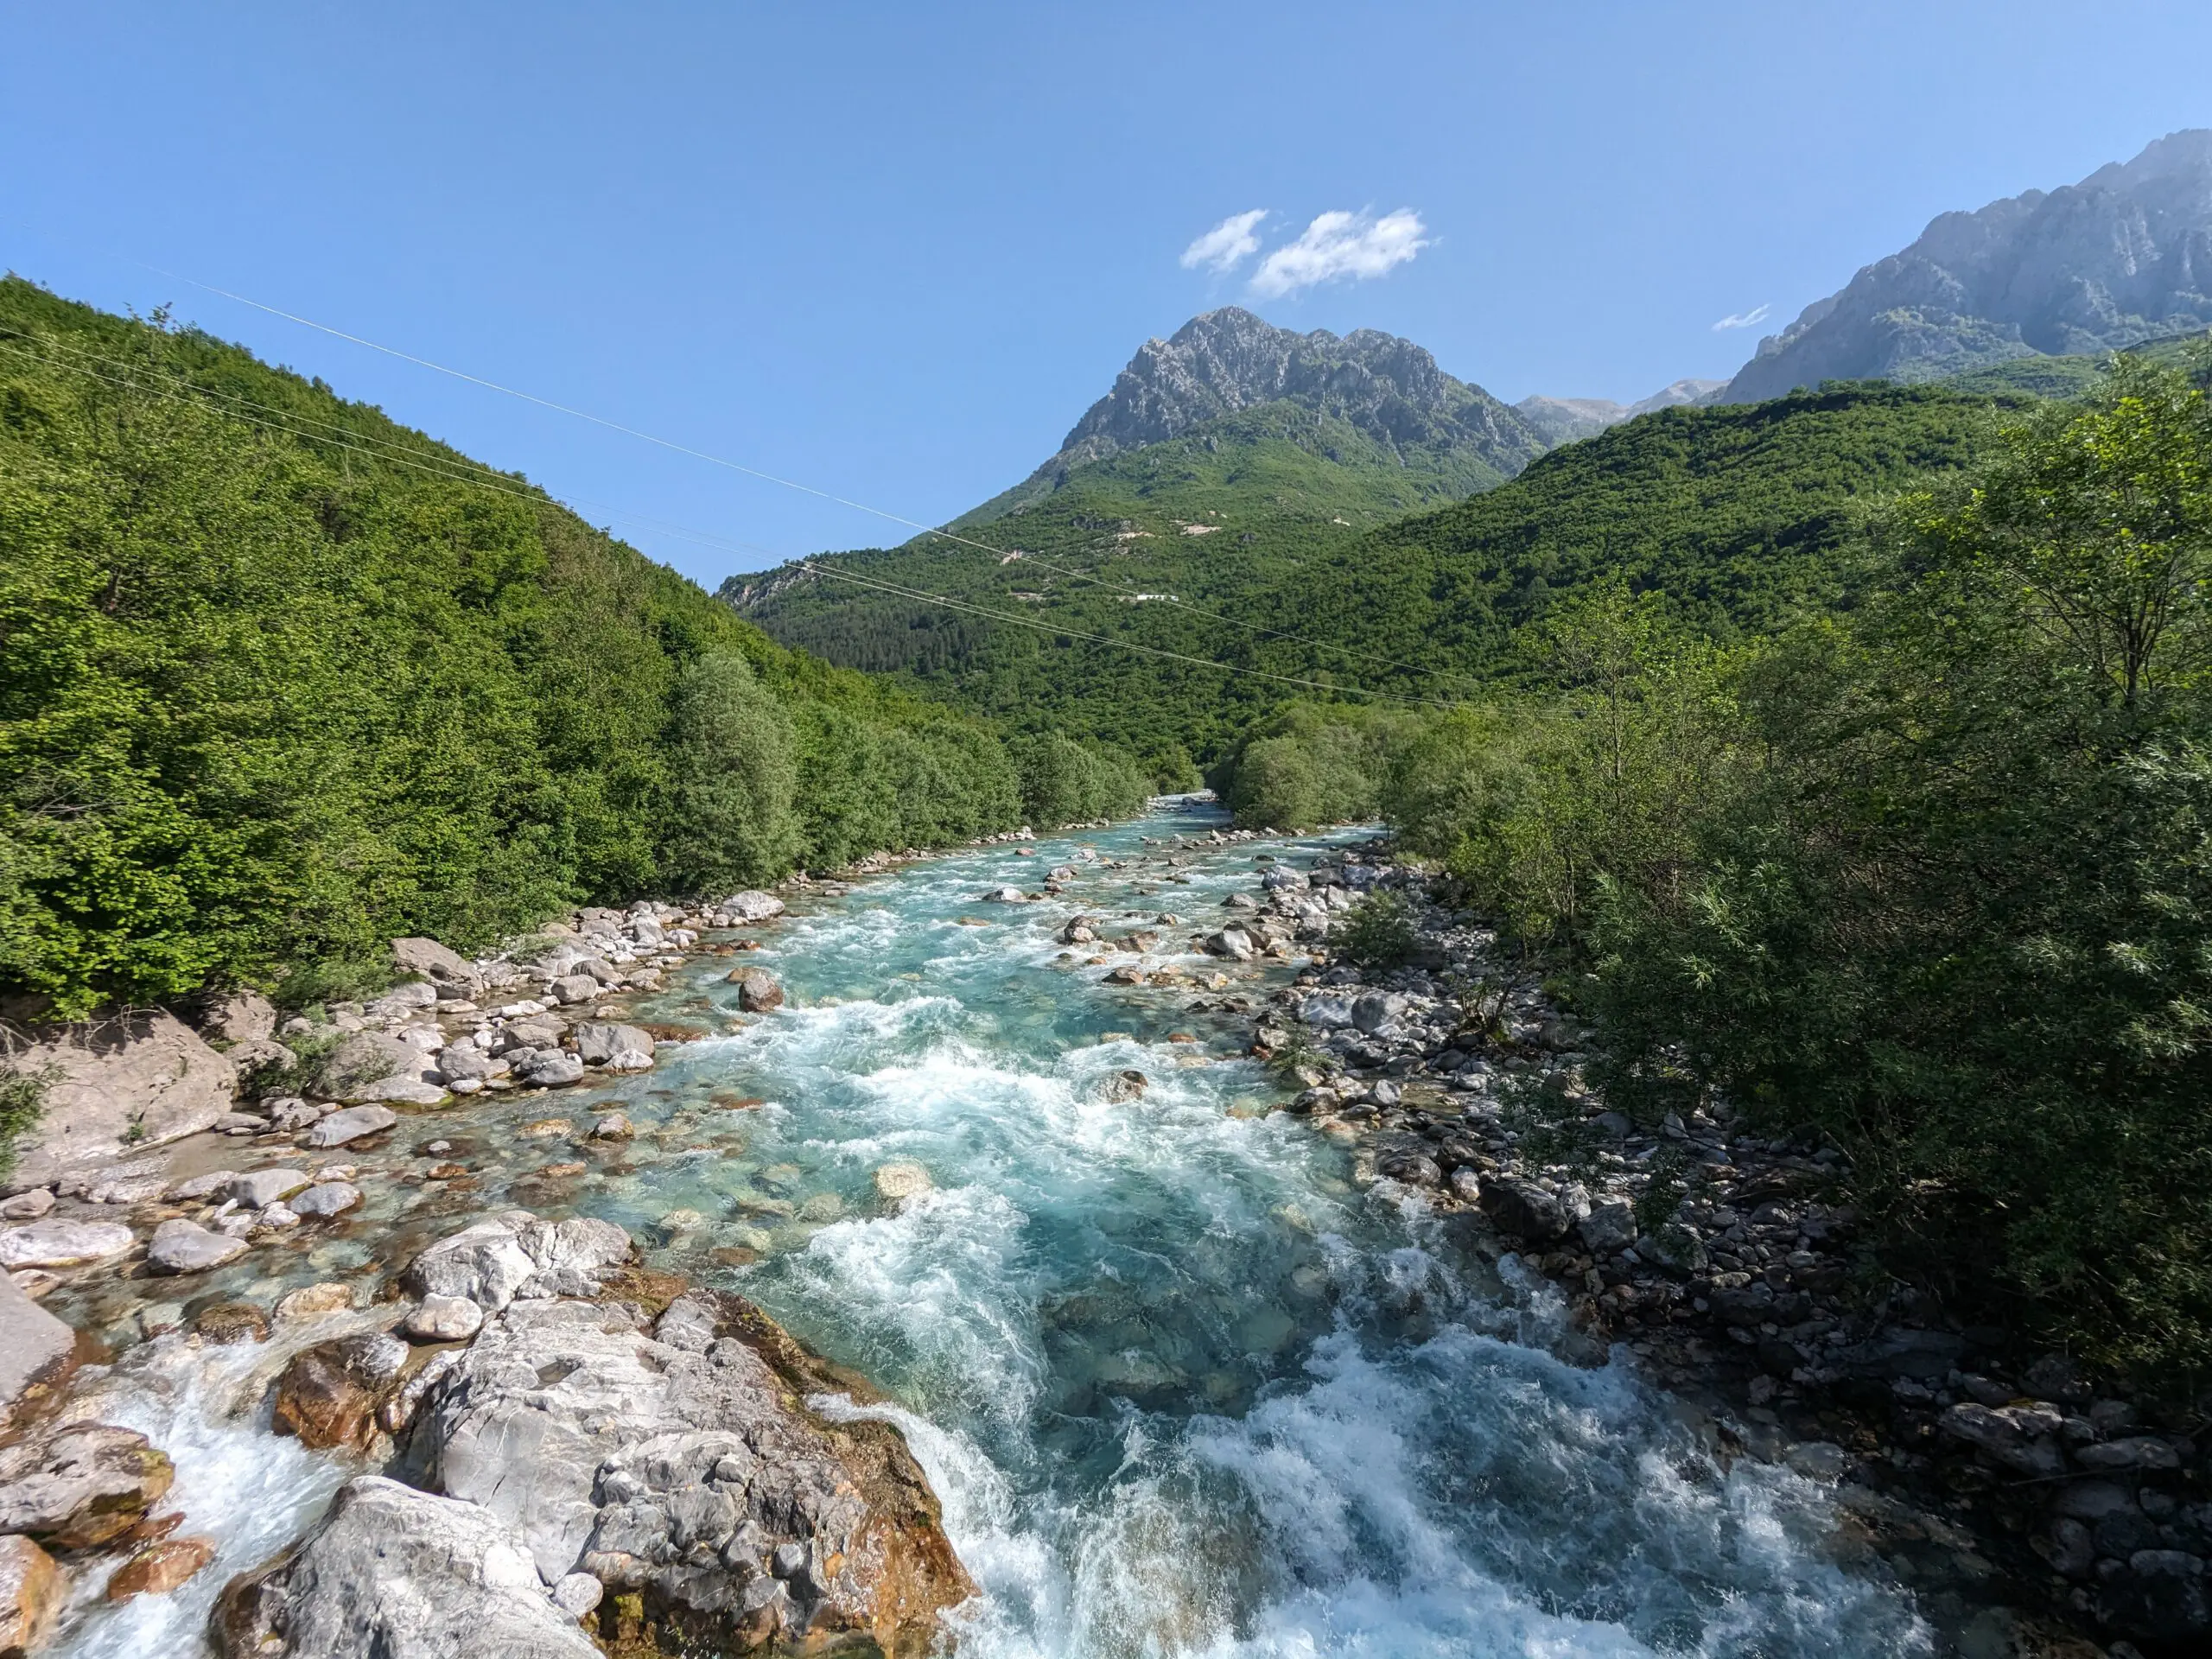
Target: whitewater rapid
[[1183, 1387]]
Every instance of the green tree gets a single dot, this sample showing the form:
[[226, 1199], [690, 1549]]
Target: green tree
[[730, 818]]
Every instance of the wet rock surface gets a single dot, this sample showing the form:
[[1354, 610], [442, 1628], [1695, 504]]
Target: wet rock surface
[[79, 1486], [674, 1464], [397, 1574]]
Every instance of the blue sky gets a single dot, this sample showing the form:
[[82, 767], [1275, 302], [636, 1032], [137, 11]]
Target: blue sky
[[894, 252]]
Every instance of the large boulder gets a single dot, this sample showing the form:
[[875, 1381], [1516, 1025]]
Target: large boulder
[[240, 1017], [369, 1058], [136, 1080], [82, 1486], [680, 1469], [391, 1572], [428, 959], [180, 1246], [619, 1048], [493, 1262], [352, 1124], [756, 990], [329, 1394], [36, 1349], [55, 1243], [749, 906], [1526, 1210]]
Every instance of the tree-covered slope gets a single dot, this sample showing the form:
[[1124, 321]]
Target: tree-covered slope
[[1737, 512], [280, 679]]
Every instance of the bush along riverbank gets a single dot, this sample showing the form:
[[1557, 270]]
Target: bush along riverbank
[[682, 1490], [2019, 1493]]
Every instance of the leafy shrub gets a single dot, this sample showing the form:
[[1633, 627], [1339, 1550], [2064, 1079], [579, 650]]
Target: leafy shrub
[[1381, 930]]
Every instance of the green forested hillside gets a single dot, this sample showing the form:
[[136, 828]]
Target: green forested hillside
[[1738, 514], [280, 679]]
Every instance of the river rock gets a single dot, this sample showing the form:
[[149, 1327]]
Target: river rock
[[313, 1301], [329, 1394], [82, 1486], [115, 1085], [753, 905], [1079, 930], [1234, 943], [756, 990], [681, 1470], [1005, 896], [572, 989], [325, 1199], [614, 1126], [1374, 1010], [197, 1187], [260, 1188], [2159, 1595], [180, 1246], [426, 1088], [619, 1048], [1128, 1084], [230, 1322], [159, 1569], [396, 1574], [32, 1590], [420, 958], [498, 1259], [27, 1206], [551, 1068], [896, 1181], [1524, 1210], [351, 1124], [465, 1062], [366, 1057], [57, 1243], [2018, 1437], [1610, 1227], [34, 1348], [443, 1318]]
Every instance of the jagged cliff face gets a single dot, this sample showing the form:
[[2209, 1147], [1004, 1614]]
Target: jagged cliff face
[[1229, 361], [2124, 256]]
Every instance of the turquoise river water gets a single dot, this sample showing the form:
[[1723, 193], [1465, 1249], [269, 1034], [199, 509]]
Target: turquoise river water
[[1183, 1388]]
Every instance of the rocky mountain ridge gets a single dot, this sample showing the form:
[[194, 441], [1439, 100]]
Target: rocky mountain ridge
[[2122, 257], [1225, 362]]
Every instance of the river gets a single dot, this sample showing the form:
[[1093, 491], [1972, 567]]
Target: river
[[1183, 1387]]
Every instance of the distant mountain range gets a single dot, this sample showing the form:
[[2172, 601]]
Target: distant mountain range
[[2123, 257], [1563, 420]]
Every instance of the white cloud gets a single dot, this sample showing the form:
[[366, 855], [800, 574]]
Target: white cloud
[[1750, 319], [1337, 244], [1228, 245]]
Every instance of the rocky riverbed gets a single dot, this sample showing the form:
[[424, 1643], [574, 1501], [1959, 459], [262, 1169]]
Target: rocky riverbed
[[2012, 1489], [492, 1310]]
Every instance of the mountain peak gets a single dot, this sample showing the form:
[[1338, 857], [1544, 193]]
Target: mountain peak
[[2122, 257], [1225, 360]]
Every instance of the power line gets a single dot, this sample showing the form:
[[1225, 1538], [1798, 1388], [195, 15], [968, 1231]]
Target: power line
[[465, 471], [805, 489]]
